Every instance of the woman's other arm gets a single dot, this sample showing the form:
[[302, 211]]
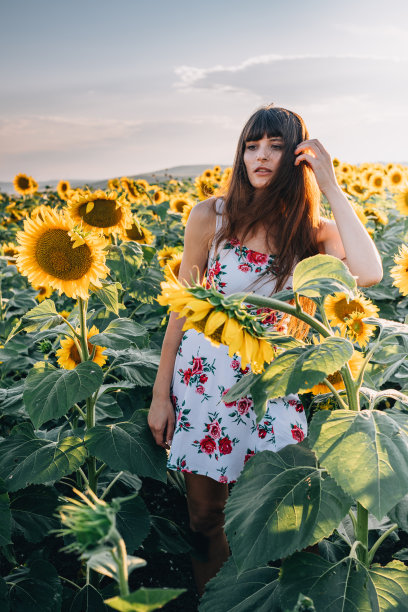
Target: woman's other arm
[[198, 235]]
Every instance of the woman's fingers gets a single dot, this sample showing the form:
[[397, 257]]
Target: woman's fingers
[[170, 431], [305, 157]]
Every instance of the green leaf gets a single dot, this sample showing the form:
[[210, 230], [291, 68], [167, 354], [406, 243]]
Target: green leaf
[[109, 296], [128, 446], [374, 442], [281, 502], [248, 591], [321, 275], [399, 514], [33, 511], [171, 536], [144, 600], [133, 522], [88, 599], [120, 334], [34, 588], [26, 459], [107, 407], [4, 598], [346, 585], [299, 369], [124, 260], [103, 563], [5, 516], [41, 317], [49, 393], [139, 366], [241, 388], [11, 401]]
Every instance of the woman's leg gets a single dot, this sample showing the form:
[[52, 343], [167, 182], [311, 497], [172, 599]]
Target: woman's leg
[[206, 500]]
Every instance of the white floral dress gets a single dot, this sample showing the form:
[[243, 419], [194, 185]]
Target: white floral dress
[[212, 437]]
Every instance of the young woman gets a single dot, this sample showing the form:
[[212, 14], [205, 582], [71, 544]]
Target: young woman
[[250, 239]]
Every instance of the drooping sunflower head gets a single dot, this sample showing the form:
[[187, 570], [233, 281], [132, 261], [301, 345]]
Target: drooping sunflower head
[[69, 357], [178, 203], [165, 254], [379, 216], [172, 268], [114, 184], [52, 253], [44, 292], [400, 271], [401, 201], [143, 184], [63, 189], [339, 308], [10, 250], [137, 233], [100, 211], [23, 184], [204, 188], [130, 188]]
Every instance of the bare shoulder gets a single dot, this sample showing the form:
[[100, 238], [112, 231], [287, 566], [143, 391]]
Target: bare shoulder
[[202, 220], [326, 229]]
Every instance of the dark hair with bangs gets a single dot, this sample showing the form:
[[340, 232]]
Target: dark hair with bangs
[[288, 207]]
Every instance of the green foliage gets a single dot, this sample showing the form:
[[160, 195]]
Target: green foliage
[[320, 275], [143, 600]]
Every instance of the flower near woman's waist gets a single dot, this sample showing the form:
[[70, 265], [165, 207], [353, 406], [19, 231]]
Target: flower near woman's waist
[[222, 319]]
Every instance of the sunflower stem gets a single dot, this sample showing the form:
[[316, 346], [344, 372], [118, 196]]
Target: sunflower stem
[[352, 389], [339, 399], [83, 329], [323, 315], [110, 485], [76, 335], [380, 540]]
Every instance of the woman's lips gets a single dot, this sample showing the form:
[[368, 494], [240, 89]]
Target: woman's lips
[[262, 171]]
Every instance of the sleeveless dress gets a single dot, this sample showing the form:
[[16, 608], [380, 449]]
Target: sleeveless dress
[[211, 437]]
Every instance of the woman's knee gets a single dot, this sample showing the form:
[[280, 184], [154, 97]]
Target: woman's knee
[[206, 518]]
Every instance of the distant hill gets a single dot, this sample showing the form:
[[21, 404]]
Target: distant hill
[[177, 172]]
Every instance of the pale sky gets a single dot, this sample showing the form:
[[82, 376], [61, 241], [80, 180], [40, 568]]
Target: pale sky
[[92, 89]]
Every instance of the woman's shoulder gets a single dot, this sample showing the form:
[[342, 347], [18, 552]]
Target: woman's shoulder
[[326, 229], [203, 216]]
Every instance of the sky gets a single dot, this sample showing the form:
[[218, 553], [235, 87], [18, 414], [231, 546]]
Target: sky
[[94, 89]]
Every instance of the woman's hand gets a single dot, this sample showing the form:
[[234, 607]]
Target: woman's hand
[[320, 161], [161, 420]]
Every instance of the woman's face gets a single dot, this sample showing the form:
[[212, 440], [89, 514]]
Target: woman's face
[[262, 159]]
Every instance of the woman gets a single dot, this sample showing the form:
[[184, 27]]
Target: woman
[[251, 239]]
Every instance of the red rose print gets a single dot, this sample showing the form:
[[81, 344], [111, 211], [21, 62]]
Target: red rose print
[[243, 405], [203, 378], [210, 278], [250, 454], [245, 371], [234, 242], [187, 376], [223, 479], [208, 445], [214, 429], [217, 267], [183, 464], [244, 267], [261, 432], [228, 405], [200, 389], [235, 364], [225, 446], [256, 258], [197, 365], [269, 315], [299, 407], [297, 433]]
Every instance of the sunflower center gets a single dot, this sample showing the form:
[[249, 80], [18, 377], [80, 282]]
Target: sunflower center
[[344, 309], [56, 256], [134, 233], [23, 182], [179, 205], [335, 378], [103, 214], [74, 354]]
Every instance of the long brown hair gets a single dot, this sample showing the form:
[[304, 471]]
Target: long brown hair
[[288, 208]]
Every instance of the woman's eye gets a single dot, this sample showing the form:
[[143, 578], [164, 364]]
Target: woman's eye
[[251, 147]]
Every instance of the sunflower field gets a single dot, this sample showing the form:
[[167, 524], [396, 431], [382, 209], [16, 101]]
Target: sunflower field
[[89, 517]]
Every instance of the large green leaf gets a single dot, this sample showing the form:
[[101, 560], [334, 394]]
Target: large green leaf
[[101, 561], [399, 514], [281, 502], [138, 366], [26, 459], [4, 598], [171, 537], [33, 510], [88, 599], [346, 585], [5, 517], [144, 600], [120, 334], [49, 393], [366, 453], [321, 275], [108, 295], [133, 522], [35, 588], [41, 317], [125, 260], [128, 446], [299, 369], [249, 591]]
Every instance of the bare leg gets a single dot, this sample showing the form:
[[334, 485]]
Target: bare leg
[[206, 500]]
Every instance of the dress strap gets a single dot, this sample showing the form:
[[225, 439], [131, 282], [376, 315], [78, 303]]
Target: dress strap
[[219, 205]]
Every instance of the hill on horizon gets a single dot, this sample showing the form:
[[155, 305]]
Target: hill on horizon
[[177, 172]]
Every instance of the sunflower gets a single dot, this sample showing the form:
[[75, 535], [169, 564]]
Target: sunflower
[[217, 169], [395, 179], [377, 181], [23, 184], [143, 184], [356, 189], [114, 184], [101, 210], [10, 250], [172, 268], [207, 174], [165, 254], [339, 308], [358, 330], [221, 324], [63, 189], [130, 189], [65, 313], [335, 162], [39, 211], [159, 196], [400, 272], [68, 354], [179, 203], [52, 253], [44, 292], [359, 210], [34, 185], [138, 233], [378, 215], [204, 188], [186, 213], [336, 379], [401, 201]]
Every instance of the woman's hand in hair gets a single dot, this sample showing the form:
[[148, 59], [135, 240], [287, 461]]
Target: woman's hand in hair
[[315, 155]]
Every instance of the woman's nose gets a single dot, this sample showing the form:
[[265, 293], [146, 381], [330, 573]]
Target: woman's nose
[[262, 154]]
